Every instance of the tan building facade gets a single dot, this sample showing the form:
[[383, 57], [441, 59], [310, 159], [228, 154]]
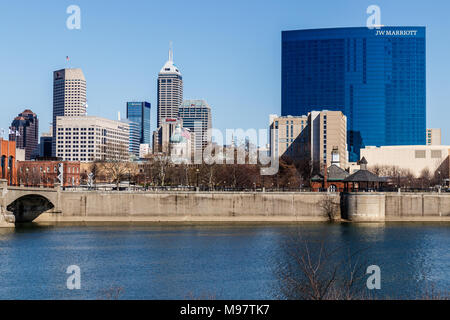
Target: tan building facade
[[328, 132], [312, 137], [69, 96], [433, 137], [288, 136], [413, 158]]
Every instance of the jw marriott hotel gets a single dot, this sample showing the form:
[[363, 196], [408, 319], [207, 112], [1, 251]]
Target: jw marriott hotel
[[376, 77]]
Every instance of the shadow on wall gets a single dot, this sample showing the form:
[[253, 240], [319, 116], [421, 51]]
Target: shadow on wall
[[29, 207]]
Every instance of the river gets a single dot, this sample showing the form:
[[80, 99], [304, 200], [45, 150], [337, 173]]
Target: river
[[219, 261]]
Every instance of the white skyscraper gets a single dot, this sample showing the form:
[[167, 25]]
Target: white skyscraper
[[69, 96], [170, 90]]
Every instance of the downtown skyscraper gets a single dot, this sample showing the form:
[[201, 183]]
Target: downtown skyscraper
[[139, 112], [24, 130], [69, 96], [376, 77], [170, 90], [196, 116]]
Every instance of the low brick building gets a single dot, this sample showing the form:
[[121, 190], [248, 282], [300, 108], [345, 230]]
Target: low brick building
[[45, 173], [332, 181], [8, 161]]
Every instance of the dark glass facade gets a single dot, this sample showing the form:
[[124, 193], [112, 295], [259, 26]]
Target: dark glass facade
[[139, 112], [376, 77]]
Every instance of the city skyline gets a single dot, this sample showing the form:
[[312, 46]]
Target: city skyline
[[263, 50]]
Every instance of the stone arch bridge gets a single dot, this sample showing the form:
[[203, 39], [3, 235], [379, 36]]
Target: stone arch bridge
[[24, 204]]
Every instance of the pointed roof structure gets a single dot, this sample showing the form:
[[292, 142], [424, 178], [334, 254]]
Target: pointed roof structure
[[334, 173], [169, 67]]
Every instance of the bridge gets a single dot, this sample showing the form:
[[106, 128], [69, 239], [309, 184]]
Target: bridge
[[24, 204]]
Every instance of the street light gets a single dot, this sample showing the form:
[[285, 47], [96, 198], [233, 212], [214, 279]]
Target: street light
[[197, 171]]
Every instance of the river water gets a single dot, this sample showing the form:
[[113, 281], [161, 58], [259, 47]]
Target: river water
[[226, 261]]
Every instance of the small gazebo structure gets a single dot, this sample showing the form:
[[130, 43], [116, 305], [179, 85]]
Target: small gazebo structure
[[363, 179]]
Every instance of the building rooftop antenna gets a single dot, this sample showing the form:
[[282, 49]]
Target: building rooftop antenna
[[170, 51]]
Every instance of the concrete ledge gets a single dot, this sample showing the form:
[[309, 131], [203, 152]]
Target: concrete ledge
[[50, 218]]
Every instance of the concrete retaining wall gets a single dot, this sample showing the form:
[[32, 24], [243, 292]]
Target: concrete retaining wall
[[421, 205], [362, 207], [284, 206]]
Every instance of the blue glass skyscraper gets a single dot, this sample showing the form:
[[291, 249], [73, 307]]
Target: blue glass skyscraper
[[139, 112], [376, 77]]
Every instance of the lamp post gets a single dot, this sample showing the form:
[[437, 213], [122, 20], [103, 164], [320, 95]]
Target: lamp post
[[197, 171]]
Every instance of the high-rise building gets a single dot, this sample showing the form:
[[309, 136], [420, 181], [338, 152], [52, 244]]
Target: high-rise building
[[327, 132], [314, 137], [196, 116], [88, 138], [288, 136], [69, 97], [135, 137], [375, 77], [170, 90], [25, 131], [139, 112], [433, 137]]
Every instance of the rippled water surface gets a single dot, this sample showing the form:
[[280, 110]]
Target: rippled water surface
[[220, 261]]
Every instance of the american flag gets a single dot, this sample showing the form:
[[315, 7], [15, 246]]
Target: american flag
[[186, 134]]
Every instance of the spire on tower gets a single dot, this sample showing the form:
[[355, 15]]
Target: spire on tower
[[170, 52]]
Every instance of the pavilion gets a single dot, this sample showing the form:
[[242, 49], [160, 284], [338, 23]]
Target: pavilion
[[363, 179]]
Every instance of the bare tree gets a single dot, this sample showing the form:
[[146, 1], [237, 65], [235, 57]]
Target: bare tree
[[317, 271], [330, 207], [116, 171]]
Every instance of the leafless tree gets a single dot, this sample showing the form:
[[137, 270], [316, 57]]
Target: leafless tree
[[318, 271], [116, 171], [330, 207]]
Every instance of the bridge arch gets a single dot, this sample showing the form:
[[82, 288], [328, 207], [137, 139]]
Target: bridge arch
[[28, 207]]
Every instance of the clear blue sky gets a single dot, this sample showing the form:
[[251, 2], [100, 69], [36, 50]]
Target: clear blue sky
[[229, 52]]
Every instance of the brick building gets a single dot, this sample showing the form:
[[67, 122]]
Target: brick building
[[45, 173], [8, 161]]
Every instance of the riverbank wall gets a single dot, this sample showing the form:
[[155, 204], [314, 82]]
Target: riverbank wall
[[105, 206], [191, 206]]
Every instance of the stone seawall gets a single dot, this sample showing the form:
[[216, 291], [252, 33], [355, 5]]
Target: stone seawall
[[190, 206], [417, 206], [71, 206]]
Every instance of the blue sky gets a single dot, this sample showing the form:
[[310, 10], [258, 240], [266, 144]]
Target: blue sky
[[229, 52]]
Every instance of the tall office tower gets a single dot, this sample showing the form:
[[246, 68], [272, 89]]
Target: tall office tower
[[135, 137], [327, 132], [25, 131], [311, 137], [375, 77], [196, 116], [288, 136], [433, 137], [69, 97], [170, 90], [139, 112]]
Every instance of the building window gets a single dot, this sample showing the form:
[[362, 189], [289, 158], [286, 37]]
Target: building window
[[436, 154], [420, 154]]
